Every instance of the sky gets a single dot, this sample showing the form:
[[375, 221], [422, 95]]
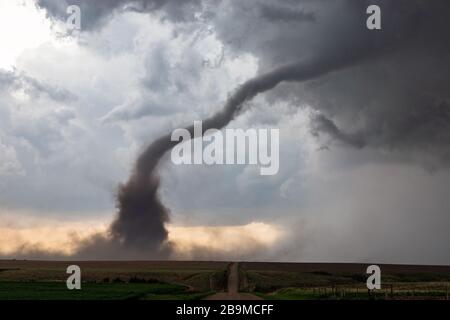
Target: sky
[[364, 145]]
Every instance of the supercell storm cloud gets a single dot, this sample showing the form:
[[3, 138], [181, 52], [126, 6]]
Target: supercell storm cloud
[[364, 117]]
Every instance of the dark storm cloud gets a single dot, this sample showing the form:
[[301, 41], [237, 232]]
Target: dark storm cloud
[[391, 92], [339, 29], [323, 124], [398, 104], [96, 13]]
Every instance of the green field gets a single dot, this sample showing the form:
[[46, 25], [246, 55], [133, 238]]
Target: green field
[[95, 291]]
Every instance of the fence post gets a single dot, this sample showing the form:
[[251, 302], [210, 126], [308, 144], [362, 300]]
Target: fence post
[[211, 283]]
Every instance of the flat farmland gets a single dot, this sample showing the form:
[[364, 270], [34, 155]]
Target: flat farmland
[[27, 279]]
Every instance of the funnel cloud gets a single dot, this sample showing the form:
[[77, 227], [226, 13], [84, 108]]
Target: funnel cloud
[[142, 215]]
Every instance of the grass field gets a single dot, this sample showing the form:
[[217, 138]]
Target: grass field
[[20, 279], [195, 280], [94, 291], [295, 281]]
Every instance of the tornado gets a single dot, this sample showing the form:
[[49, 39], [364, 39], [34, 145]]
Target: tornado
[[141, 220]]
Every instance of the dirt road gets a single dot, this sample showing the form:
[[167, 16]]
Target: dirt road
[[233, 287]]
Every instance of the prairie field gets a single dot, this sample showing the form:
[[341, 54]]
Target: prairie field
[[187, 280]]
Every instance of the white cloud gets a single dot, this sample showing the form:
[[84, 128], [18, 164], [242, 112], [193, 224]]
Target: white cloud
[[22, 27]]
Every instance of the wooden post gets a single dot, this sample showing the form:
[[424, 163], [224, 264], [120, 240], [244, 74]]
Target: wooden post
[[446, 292]]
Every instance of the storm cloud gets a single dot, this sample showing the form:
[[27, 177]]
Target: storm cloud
[[96, 13], [392, 92], [377, 105]]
